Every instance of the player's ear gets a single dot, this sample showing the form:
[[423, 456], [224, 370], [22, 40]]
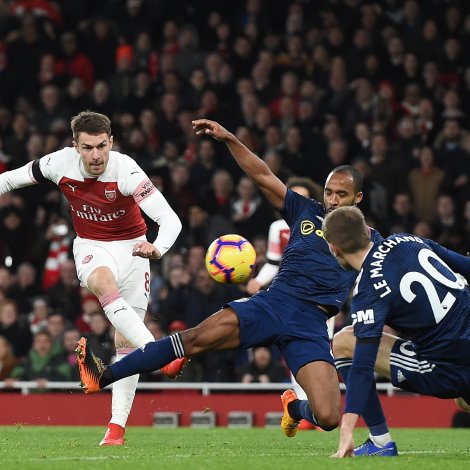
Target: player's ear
[[111, 140], [333, 249], [75, 145], [358, 197]]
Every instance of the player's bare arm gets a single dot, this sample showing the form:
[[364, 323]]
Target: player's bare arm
[[271, 186]]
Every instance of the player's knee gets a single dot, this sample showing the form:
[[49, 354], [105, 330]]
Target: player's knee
[[329, 420], [343, 342]]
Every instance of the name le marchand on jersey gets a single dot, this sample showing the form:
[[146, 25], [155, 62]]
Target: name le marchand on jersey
[[103, 208], [367, 316]]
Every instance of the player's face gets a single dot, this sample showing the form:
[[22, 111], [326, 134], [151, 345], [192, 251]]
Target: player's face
[[340, 191], [94, 151]]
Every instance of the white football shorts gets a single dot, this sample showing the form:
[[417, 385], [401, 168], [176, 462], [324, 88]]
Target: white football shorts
[[132, 273]]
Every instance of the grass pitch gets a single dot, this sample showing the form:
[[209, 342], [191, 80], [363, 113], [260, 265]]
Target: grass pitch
[[54, 447]]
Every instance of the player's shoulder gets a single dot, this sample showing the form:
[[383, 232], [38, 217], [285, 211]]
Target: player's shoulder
[[64, 155], [298, 201], [122, 166], [124, 162], [375, 235], [60, 162]]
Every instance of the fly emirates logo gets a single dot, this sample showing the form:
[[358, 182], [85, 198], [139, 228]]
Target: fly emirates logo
[[92, 213]]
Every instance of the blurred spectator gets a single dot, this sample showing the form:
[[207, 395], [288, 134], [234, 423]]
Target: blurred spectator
[[38, 316], [53, 250], [25, 50], [69, 344], [188, 56], [401, 218], [218, 199], [77, 97], [250, 213], [15, 143], [25, 288], [406, 146], [423, 229], [101, 100], [181, 197], [64, 296], [141, 96], [6, 281], [7, 358], [55, 327], [100, 45], [424, 185], [42, 364], [293, 154], [121, 81], [203, 169], [15, 328], [274, 161], [204, 228], [262, 368], [384, 167], [51, 115], [374, 203], [448, 229], [15, 236], [74, 63]]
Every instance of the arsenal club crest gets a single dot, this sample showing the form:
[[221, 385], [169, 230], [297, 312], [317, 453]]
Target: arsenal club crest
[[87, 259], [110, 194]]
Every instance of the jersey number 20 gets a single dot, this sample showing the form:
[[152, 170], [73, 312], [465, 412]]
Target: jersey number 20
[[440, 308]]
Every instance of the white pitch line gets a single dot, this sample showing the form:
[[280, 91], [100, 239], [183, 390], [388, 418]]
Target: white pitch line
[[48, 459], [421, 452]]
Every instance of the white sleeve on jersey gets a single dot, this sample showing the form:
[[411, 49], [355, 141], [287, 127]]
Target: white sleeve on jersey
[[158, 209], [18, 178], [133, 181], [267, 273]]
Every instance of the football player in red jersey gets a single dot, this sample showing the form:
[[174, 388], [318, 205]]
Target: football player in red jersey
[[106, 191]]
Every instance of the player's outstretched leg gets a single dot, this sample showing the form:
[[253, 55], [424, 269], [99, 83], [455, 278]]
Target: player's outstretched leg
[[95, 375], [90, 366], [369, 449], [288, 424]]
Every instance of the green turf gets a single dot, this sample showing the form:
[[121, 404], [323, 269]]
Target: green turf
[[54, 447]]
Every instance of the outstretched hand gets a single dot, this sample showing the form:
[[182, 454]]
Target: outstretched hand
[[211, 128]]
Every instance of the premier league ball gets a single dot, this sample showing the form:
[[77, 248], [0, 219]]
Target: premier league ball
[[230, 259]]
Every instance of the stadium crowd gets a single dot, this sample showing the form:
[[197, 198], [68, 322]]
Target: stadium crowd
[[383, 85]]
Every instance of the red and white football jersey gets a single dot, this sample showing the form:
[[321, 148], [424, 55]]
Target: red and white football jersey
[[103, 208], [278, 237]]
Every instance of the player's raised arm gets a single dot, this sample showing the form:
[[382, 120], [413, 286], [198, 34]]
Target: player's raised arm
[[271, 186]]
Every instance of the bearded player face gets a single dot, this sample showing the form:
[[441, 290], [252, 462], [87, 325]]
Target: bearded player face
[[340, 191]]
